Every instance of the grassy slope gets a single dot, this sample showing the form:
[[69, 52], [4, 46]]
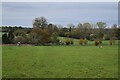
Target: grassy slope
[[60, 61]]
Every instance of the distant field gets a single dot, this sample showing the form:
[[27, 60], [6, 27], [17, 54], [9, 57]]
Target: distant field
[[60, 61]]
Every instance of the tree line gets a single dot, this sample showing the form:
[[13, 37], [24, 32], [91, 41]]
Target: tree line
[[45, 33]]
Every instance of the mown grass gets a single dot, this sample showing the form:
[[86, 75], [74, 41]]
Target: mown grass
[[60, 61]]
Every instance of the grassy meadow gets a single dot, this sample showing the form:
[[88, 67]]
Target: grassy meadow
[[60, 61]]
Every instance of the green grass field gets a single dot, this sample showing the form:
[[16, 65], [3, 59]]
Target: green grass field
[[60, 61]]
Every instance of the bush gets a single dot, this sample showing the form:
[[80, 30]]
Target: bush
[[112, 41], [69, 42], [20, 39], [85, 41], [5, 39], [54, 38], [81, 41], [91, 37], [96, 43], [19, 32]]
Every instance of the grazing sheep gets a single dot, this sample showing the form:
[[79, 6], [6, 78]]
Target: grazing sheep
[[18, 44]]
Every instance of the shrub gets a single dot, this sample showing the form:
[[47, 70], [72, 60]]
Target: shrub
[[69, 42], [96, 42], [54, 38], [5, 39], [81, 41], [85, 41], [20, 39], [112, 41], [19, 32], [40, 36], [91, 37]]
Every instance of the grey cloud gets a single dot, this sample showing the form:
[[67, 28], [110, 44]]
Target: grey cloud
[[23, 13]]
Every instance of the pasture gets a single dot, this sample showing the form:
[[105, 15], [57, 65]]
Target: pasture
[[60, 61]]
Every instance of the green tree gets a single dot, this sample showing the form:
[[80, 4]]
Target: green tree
[[35, 35], [54, 37], [5, 39], [40, 36], [19, 32], [80, 26], [118, 33], [86, 29], [41, 32], [70, 26], [62, 31], [45, 37], [52, 28], [101, 26], [20, 39], [10, 36], [114, 30]]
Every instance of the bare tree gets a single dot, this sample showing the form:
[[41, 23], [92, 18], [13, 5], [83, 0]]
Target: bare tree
[[87, 29], [40, 22]]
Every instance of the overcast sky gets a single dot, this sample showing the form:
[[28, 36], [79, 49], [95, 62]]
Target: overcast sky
[[23, 13]]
